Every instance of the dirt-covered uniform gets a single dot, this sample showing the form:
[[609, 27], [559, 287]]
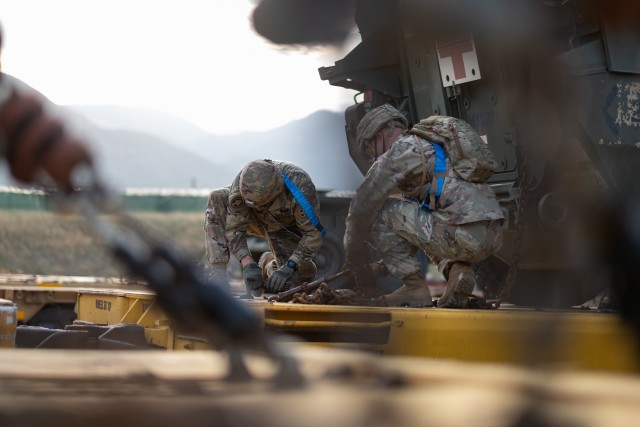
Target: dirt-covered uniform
[[465, 226], [288, 230]]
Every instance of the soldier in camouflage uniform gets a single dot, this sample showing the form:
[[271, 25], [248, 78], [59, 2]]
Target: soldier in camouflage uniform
[[258, 203], [464, 228]]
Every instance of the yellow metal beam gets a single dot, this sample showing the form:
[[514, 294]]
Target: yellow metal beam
[[581, 339]]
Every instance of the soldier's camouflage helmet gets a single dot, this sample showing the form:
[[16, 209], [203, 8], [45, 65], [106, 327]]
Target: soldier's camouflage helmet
[[374, 121], [260, 183]]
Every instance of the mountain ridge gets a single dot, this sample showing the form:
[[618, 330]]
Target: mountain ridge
[[140, 148]]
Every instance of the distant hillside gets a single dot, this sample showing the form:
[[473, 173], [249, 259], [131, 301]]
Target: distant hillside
[[138, 160], [145, 148], [317, 143], [167, 127], [131, 159]]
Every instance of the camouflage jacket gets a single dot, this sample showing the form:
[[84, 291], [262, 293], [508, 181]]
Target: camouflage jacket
[[401, 170], [283, 213]]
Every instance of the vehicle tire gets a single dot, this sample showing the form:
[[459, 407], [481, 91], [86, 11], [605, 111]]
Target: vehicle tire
[[330, 257]]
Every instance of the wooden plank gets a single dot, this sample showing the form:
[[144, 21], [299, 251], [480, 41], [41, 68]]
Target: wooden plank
[[343, 388]]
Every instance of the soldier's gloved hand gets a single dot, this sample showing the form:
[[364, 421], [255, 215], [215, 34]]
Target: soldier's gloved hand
[[252, 275], [276, 282]]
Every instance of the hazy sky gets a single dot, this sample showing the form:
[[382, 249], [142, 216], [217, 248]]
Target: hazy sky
[[197, 59]]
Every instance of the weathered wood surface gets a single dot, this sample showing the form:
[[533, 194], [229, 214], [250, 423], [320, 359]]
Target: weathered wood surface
[[342, 388]]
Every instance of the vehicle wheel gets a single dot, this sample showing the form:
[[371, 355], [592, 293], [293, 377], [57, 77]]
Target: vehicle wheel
[[330, 257]]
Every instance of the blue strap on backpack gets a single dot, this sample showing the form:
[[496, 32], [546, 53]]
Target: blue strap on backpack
[[304, 204], [441, 166], [439, 169]]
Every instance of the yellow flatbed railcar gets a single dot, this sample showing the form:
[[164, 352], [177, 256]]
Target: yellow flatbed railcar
[[34, 294], [580, 338]]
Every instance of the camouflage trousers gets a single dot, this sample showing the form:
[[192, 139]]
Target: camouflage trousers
[[402, 228], [282, 242]]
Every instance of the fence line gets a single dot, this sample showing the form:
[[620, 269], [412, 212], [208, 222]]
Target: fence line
[[144, 200]]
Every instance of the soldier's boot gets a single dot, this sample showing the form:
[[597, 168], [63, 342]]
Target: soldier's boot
[[217, 274], [413, 293], [460, 284], [306, 273], [267, 264]]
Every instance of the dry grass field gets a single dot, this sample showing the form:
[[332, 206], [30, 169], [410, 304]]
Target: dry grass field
[[34, 242]]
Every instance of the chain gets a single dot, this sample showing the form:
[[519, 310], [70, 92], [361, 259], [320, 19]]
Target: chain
[[523, 177]]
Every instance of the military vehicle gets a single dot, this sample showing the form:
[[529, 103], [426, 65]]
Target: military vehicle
[[551, 86]]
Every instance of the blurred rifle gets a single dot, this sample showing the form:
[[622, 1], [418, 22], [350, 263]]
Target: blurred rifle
[[37, 144]]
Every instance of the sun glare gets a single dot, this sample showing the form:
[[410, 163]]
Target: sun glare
[[196, 59]]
